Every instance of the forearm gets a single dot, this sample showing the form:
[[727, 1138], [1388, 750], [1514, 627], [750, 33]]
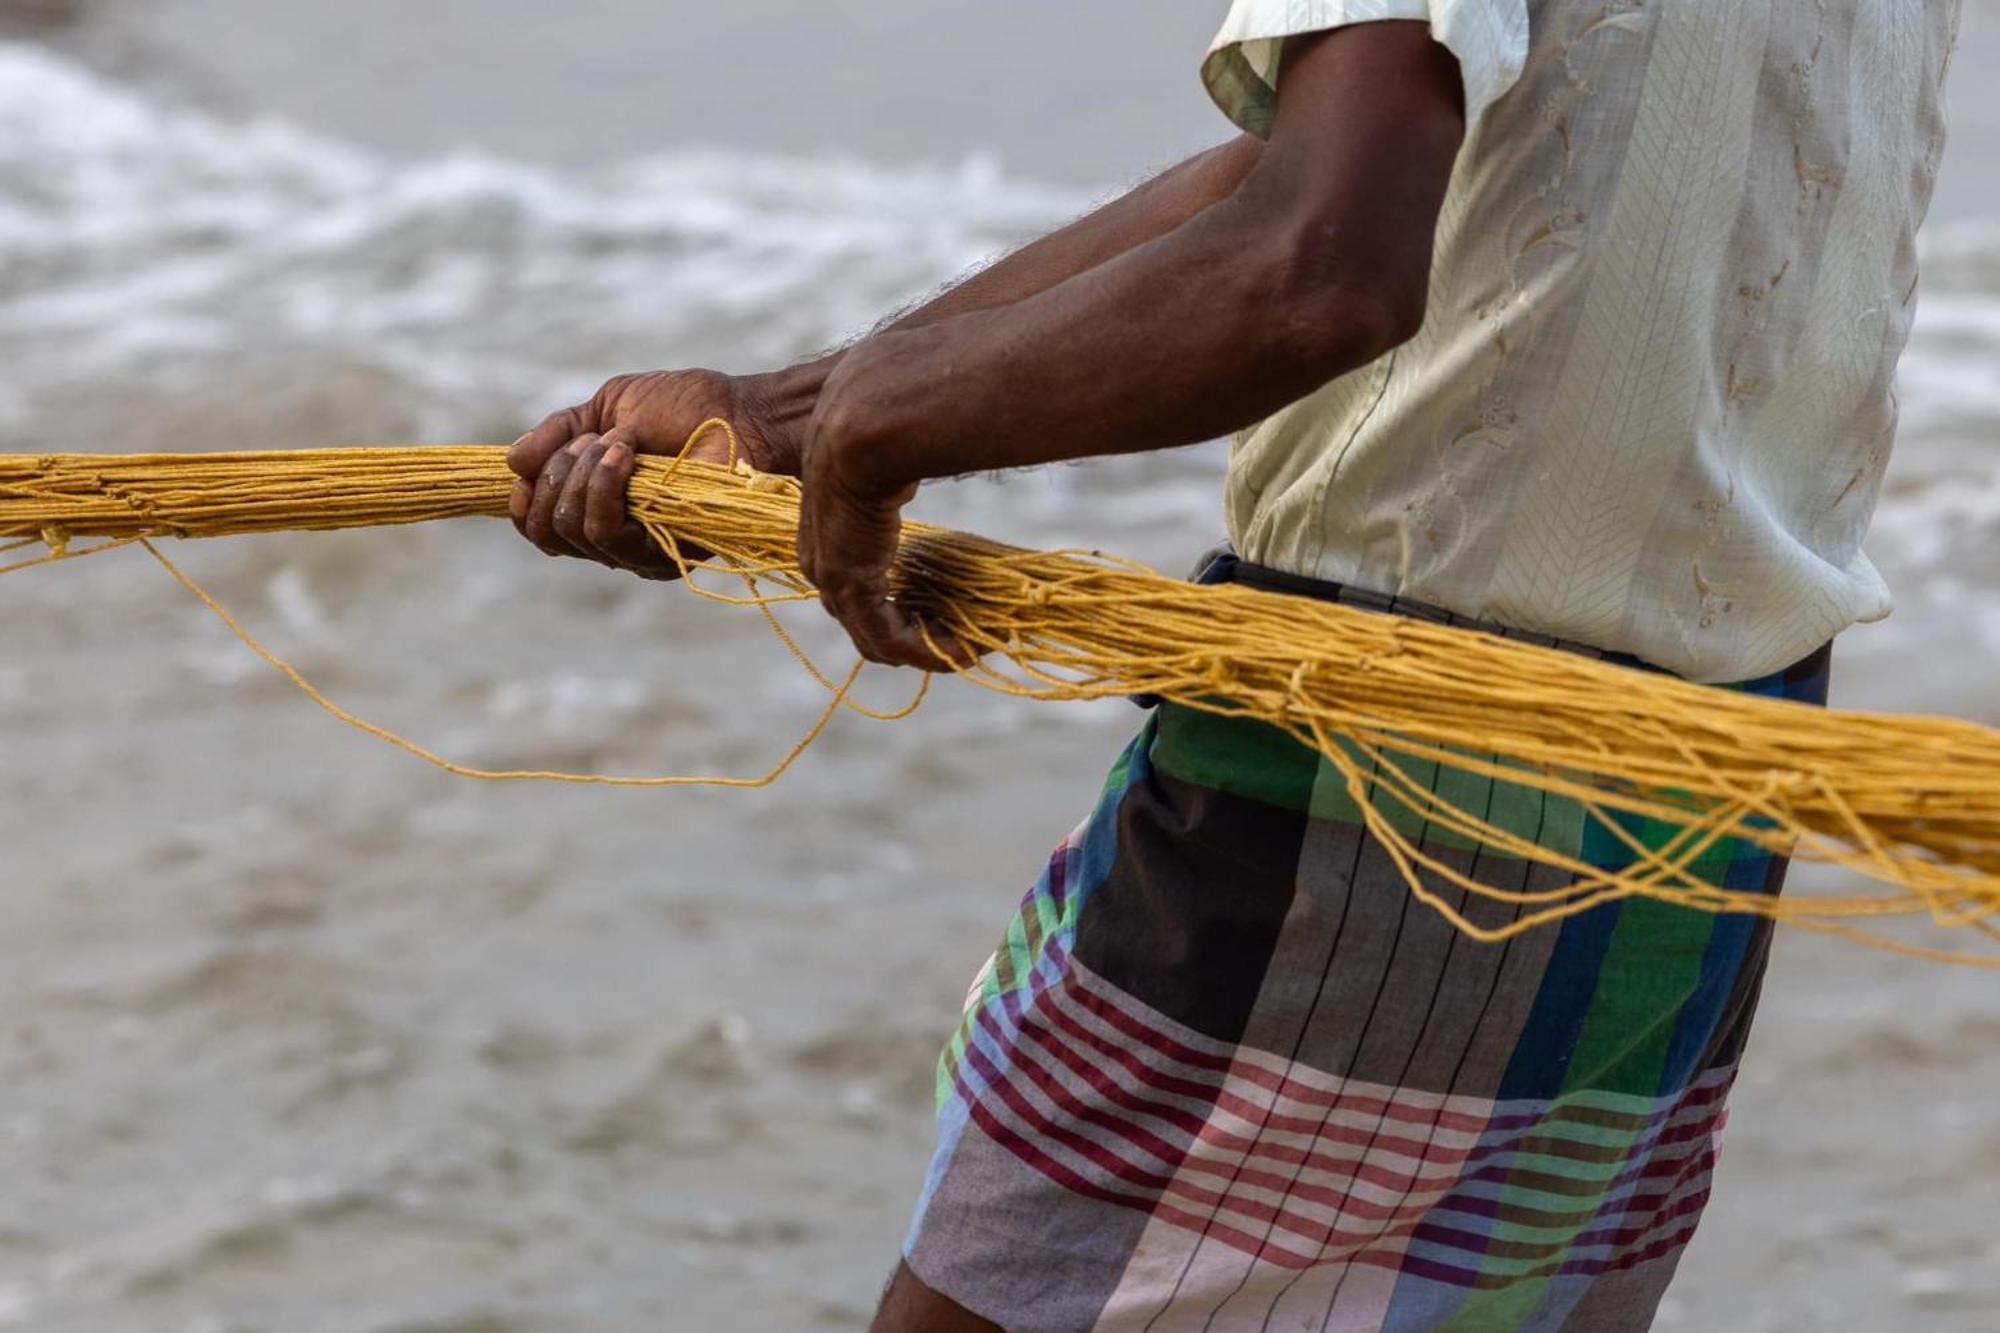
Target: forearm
[[1140, 215], [1317, 263], [789, 397], [1196, 333]]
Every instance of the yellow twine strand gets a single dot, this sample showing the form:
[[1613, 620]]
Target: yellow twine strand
[[312, 692], [1910, 803]]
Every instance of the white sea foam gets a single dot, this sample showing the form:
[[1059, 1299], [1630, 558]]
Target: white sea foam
[[164, 251]]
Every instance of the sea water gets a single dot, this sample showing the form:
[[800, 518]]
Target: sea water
[[298, 1035]]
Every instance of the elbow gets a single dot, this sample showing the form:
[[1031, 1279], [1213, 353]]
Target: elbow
[[1340, 311]]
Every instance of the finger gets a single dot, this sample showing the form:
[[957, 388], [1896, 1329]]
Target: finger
[[519, 500], [569, 515], [942, 648], [882, 631], [608, 524], [540, 522], [532, 452], [893, 639], [808, 553], [924, 644]]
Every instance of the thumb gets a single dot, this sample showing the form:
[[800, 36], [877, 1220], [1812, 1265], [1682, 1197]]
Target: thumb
[[532, 452]]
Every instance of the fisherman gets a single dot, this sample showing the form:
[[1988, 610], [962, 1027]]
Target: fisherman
[[1572, 319]]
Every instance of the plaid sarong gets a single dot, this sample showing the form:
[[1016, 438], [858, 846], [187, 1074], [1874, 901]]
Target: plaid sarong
[[1225, 1072]]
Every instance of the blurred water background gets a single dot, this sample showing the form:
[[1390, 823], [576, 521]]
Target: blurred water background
[[297, 1035]]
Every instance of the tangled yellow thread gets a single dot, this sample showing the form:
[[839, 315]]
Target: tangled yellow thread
[[1910, 803]]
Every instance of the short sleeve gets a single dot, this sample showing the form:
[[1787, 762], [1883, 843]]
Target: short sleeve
[[1488, 37]]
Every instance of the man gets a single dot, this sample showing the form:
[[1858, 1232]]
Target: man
[[1575, 317]]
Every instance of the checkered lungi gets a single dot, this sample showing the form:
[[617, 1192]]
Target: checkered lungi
[[1225, 1072]]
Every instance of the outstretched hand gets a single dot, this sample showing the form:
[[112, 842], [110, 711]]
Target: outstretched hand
[[576, 466]]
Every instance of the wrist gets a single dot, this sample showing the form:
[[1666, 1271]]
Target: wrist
[[852, 437], [781, 405]]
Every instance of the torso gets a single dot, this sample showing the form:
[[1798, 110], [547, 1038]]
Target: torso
[[1652, 404]]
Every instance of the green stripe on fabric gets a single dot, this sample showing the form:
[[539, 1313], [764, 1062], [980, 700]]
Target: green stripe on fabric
[[1261, 762], [1651, 968], [1234, 754], [1120, 775], [1652, 965]]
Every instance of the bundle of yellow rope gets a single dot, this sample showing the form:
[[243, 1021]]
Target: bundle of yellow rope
[[1910, 803]]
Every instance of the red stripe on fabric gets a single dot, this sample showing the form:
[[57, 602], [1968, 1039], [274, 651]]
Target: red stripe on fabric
[[1243, 1149], [1306, 1228], [1249, 1071], [1362, 1170], [1349, 1204], [1423, 1114], [1058, 1042], [1659, 1249], [1626, 1237], [1040, 1123], [1097, 1046], [1088, 1149], [1651, 1165], [1689, 1190], [1169, 1154], [1102, 1080], [1329, 1239], [1693, 1100], [1241, 1241], [1641, 1149], [1179, 1155], [1065, 1100], [1070, 1180], [1078, 986], [1429, 1153], [1116, 1016]]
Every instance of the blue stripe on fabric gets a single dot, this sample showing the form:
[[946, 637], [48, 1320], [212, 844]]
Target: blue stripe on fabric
[[1421, 1304], [1100, 840], [1721, 965], [1569, 983]]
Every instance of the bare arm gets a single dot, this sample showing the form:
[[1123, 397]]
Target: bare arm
[[1317, 263], [655, 413], [575, 465], [1143, 214], [1147, 213], [1151, 210]]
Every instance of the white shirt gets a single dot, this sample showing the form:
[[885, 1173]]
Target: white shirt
[[1652, 401]]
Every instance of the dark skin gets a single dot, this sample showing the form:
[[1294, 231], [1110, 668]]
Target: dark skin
[[1201, 302]]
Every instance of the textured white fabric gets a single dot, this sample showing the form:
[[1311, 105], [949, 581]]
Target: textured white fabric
[[1652, 402]]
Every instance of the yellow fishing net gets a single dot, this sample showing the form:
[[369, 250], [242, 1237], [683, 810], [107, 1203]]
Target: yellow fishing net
[[1909, 804]]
